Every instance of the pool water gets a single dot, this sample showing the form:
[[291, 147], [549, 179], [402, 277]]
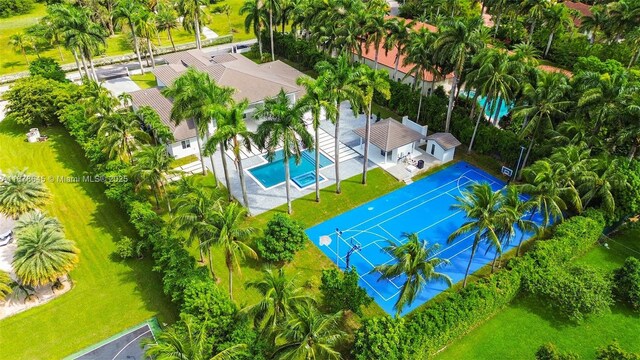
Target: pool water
[[307, 179], [491, 110], [272, 173]]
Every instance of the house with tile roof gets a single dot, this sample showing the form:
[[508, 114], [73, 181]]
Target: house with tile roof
[[249, 80]]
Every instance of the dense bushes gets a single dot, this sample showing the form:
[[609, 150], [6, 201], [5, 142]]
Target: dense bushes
[[381, 337], [15, 7], [340, 291], [550, 352], [429, 329], [627, 283], [282, 238], [613, 351], [47, 68]]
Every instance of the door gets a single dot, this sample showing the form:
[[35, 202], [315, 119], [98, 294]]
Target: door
[[433, 149]]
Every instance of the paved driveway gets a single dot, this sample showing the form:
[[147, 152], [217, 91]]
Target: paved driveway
[[119, 85]]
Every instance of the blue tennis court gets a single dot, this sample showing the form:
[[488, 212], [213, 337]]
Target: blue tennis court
[[423, 207]]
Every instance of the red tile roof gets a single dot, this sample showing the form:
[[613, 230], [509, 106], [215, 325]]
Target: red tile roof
[[582, 8]]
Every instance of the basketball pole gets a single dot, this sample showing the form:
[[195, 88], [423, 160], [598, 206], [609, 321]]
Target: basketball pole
[[338, 233]]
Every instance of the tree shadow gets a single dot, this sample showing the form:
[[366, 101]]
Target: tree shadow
[[11, 64]]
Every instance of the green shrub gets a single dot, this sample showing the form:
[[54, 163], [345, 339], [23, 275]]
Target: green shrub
[[613, 351], [549, 351], [15, 7], [126, 248], [626, 282], [381, 337], [282, 238], [340, 291], [47, 68]]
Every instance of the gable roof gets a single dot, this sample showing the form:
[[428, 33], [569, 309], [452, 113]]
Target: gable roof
[[445, 140], [153, 97], [389, 134]]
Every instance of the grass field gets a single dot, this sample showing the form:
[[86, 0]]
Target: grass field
[[519, 330], [145, 81], [109, 294]]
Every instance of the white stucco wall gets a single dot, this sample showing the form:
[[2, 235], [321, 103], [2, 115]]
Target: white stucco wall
[[175, 149], [438, 152]]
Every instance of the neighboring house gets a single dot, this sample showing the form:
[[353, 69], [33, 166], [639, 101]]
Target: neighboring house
[[387, 61], [250, 81], [442, 146], [580, 10]]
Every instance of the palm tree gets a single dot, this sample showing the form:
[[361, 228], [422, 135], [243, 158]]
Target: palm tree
[[232, 236], [5, 285], [254, 19], [166, 20], [34, 218], [231, 129], [129, 10], [146, 24], [121, 134], [535, 11], [20, 41], [514, 202], [193, 17], [341, 82], [374, 26], [283, 125], [556, 18], [453, 45], [280, 295], [152, 165], [317, 100], [188, 341], [544, 102], [43, 255], [371, 81], [309, 335], [598, 182], [272, 6], [416, 260], [398, 37], [419, 55], [595, 22], [21, 193], [197, 97], [480, 204]]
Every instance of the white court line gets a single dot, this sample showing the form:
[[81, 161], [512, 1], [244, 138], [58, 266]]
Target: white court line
[[129, 343]]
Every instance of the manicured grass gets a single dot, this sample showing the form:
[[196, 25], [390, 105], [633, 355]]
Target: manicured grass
[[183, 161], [520, 329], [219, 22], [145, 81], [309, 262], [109, 294]]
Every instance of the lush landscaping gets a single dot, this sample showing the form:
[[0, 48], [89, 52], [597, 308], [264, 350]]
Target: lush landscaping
[[109, 294]]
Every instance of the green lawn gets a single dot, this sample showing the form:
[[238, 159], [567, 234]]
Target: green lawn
[[109, 295], [518, 331], [220, 23], [309, 262], [145, 81]]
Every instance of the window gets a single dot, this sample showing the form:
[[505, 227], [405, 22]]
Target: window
[[186, 144], [433, 149]]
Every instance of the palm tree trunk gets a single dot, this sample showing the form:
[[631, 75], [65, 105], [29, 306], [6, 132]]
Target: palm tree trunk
[[204, 168], [93, 69], [135, 45], [533, 27], [419, 102], [75, 57], [495, 33], [493, 263], [243, 185], [213, 168], [633, 150], [367, 134], [171, 39], [259, 33], [474, 104], [223, 155], [520, 244], [196, 26], [336, 155], [317, 129], [84, 66], [466, 273], [375, 59], [230, 268], [213, 275], [153, 61], [288, 182], [634, 58], [273, 56], [475, 129], [451, 97], [396, 65], [526, 157], [497, 111], [546, 51], [201, 252], [60, 52]]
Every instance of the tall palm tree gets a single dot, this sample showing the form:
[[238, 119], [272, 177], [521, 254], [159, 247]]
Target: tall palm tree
[[129, 10], [453, 45], [43, 255], [534, 10], [152, 165], [20, 42], [341, 80], [166, 20], [5, 285], [34, 218], [420, 56], [595, 22], [253, 9], [414, 259], [188, 341], [192, 15], [21, 193], [231, 130], [309, 335], [519, 207], [371, 81], [146, 24], [398, 37], [197, 97], [480, 204], [556, 18], [598, 182], [283, 125], [604, 95], [121, 134], [317, 100], [280, 294], [272, 6], [374, 27], [232, 236]]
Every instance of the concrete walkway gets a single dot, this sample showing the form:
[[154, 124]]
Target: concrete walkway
[[208, 33]]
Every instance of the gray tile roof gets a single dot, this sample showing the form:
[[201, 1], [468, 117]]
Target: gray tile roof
[[153, 98], [445, 140], [389, 134]]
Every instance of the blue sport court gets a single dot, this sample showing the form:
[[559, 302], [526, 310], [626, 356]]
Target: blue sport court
[[423, 207]]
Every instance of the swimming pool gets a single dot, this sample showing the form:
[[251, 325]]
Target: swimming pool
[[272, 173], [492, 105], [423, 207]]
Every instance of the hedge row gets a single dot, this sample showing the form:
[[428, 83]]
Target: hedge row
[[429, 329]]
